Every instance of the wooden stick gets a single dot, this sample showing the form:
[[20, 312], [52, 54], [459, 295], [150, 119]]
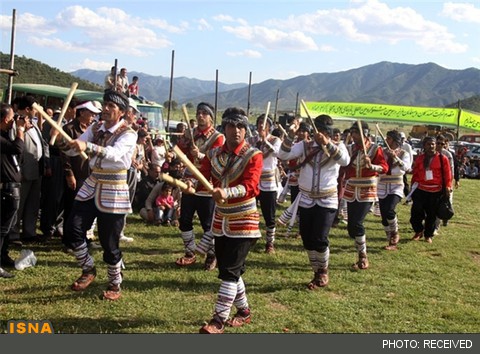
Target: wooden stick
[[193, 169], [174, 182], [267, 111], [382, 136], [282, 129], [187, 120], [54, 124], [308, 116], [324, 148], [360, 128], [64, 108]]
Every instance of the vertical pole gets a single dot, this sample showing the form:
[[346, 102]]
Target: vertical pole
[[115, 76], [248, 97], [12, 57], [216, 100], [458, 119], [296, 105], [171, 89], [276, 107]]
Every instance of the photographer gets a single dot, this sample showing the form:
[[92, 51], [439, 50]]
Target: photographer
[[10, 178]]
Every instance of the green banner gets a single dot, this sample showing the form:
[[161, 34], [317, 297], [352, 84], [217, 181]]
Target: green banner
[[386, 112]]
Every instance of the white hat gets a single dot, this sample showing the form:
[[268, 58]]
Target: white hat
[[402, 135], [133, 104], [90, 106]]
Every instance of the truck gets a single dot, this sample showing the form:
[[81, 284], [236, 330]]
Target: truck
[[421, 131], [54, 96]]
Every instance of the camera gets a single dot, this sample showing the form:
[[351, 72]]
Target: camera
[[18, 116]]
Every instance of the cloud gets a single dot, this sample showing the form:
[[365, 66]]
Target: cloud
[[164, 25], [203, 25], [228, 18], [88, 63], [372, 21], [28, 23], [56, 43], [106, 30], [246, 53], [273, 39], [461, 12]]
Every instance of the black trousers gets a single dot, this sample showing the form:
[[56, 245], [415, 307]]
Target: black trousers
[[423, 212], [109, 227], [231, 254], [315, 223], [294, 190], [9, 207], [387, 207], [268, 205], [357, 211], [51, 201], [190, 204]]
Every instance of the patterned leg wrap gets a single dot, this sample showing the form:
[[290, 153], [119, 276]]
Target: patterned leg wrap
[[271, 234], [318, 260], [240, 301], [84, 260], [226, 295], [361, 244], [188, 238], [115, 273], [206, 244], [387, 231], [393, 224]]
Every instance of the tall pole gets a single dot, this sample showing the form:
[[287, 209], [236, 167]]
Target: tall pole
[[115, 76], [458, 119], [171, 90], [296, 105], [248, 98], [276, 107], [12, 56], [216, 100]]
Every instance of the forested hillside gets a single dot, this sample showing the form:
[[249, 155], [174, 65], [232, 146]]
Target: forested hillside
[[33, 71]]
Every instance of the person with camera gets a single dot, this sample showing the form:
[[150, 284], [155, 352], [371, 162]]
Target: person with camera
[[431, 171], [10, 178]]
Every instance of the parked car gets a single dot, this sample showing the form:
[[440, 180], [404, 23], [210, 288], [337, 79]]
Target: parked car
[[473, 151]]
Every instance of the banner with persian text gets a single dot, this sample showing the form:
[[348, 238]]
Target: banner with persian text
[[386, 112]]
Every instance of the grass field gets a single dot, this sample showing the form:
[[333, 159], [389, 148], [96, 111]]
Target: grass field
[[422, 288]]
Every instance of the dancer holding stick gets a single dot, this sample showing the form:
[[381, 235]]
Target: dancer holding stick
[[390, 185], [367, 161], [204, 138], [269, 145]]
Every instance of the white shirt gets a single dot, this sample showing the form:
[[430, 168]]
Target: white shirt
[[317, 178], [118, 156]]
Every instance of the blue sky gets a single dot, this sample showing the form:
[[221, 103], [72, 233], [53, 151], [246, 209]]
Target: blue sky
[[271, 39]]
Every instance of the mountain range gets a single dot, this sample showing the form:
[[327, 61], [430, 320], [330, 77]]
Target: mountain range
[[428, 85]]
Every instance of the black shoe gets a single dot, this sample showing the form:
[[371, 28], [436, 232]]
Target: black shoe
[[7, 262], [5, 274]]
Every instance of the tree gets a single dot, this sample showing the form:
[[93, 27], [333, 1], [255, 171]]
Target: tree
[[173, 107]]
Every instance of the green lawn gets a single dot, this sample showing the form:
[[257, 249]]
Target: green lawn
[[422, 288]]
